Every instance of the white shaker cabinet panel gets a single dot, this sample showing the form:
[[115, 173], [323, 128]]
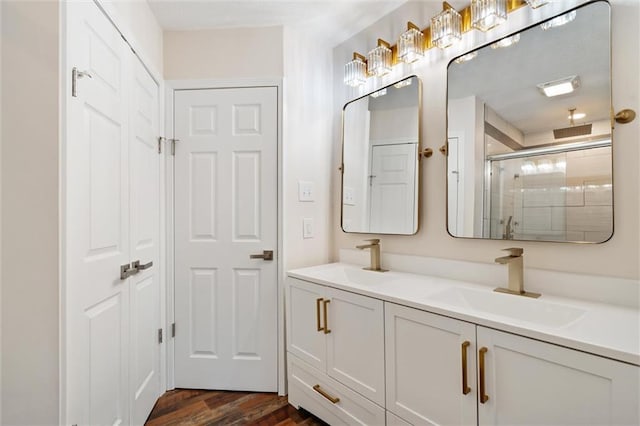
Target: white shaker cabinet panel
[[355, 345], [532, 382], [430, 367], [305, 336], [339, 333]]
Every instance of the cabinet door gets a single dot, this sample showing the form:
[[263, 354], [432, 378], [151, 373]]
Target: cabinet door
[[355, 343], [424, 360], [531, 382], [305, 332]]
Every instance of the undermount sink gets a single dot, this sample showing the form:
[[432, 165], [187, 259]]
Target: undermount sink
[[534, 311]]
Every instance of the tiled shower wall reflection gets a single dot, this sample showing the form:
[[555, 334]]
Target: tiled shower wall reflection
[[553, 197]]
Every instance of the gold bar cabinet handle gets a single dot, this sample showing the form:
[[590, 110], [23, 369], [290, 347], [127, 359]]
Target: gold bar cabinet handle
[[318, 302], [465, 385], [326, 317], [483, 396], [333, 399]]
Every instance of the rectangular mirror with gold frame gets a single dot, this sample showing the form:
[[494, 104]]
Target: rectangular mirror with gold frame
[[530, 136], [380, 143]]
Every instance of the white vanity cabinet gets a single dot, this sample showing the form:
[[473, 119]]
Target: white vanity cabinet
[[528, 381], [335, 344], [515, 380], [425, 369]]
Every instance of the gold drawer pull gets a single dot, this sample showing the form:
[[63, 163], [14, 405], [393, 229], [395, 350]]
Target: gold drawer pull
[[326, 317], [465, 386], [318, 302], [483, 396], [333, 399]]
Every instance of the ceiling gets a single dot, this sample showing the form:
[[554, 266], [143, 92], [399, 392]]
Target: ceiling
[[505, 79], [337, 19]]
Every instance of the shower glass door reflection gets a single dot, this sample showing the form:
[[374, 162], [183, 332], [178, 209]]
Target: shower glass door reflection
[[560, 196]]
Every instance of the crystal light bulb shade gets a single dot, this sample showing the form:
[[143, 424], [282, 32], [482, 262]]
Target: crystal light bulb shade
[[355, 73], [411, 46], [379, 61], [486, 14], [536, 3], [446, 28]]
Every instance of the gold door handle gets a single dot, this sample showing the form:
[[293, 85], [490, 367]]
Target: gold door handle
[[333, 399], [465, 386], [318, 302], [326, 317], [483, 396]]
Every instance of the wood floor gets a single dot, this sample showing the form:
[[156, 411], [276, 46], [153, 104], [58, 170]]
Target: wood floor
[[199, 407]]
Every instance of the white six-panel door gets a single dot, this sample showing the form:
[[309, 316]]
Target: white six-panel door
[[225, 211], [112, 206], [393, 188], [97, 220]]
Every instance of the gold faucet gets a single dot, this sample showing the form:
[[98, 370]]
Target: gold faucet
[[374, 248], [515, 264]]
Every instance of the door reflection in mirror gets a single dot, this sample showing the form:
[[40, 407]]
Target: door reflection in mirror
[[380, 157]]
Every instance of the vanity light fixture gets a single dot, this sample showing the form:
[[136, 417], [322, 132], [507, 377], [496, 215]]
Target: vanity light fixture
[[446, 27], [466, 58], [559, 21], [536, 3], [559, 87], [355, 71], [486, 14], [379, 59], [411, 44], [506, 42]]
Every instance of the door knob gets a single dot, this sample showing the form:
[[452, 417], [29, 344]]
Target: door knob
[[136, 264], [266, 255]]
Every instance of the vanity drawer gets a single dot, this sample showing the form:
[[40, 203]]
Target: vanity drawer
[[352, 408]]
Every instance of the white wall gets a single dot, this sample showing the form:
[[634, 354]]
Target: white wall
[[617, 257], [307, 145], [30, 301], [229, 53]]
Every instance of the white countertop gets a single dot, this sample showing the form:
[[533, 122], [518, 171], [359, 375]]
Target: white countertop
[[606, 330]]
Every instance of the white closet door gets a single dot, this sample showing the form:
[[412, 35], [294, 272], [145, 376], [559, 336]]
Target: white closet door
[[97, 222], [393, 188], [145, 349], [225, 211]]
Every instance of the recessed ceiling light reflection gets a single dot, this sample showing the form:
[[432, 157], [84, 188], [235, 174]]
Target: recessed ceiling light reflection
[[561, 86]]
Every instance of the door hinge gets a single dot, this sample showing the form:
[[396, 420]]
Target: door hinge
[[173, 330], [173, 145], [159, 335], [160, 140]]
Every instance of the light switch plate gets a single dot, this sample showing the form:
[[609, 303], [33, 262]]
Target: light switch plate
[[349, 198], [307, 227], [305, 190]]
